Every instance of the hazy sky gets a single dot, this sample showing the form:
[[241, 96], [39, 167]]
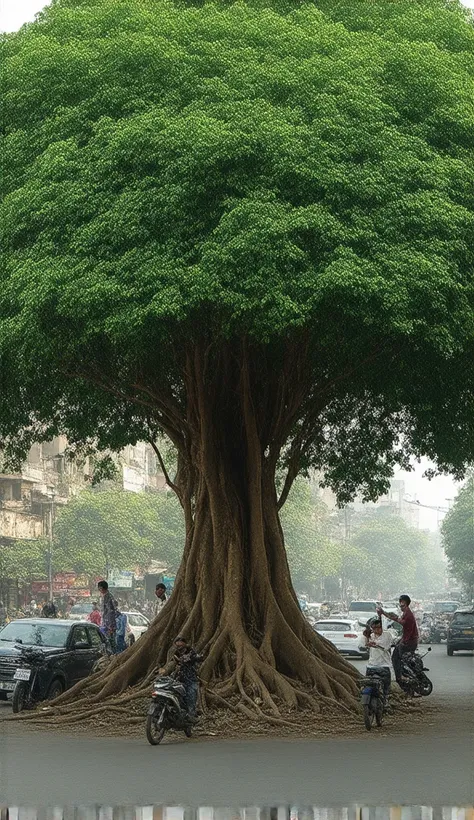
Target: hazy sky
[[13, 13]]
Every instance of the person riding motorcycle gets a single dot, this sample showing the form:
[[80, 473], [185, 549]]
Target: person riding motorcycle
[[187, 660], [409, 639], [379, 642]]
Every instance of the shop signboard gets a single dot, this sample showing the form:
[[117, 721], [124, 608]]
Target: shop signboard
[[120, 579]]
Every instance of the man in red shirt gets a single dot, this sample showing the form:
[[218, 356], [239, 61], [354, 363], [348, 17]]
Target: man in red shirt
[[409, 640]]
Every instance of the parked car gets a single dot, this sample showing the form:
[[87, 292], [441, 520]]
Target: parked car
[[445, 607], [80, 612], [346, 635], [363, 611], [68, 651], [461, 631], [137, 625]]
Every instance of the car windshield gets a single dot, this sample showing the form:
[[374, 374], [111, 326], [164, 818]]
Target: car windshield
[[446, 606], [464, 619], [362, 606], [35, 634]]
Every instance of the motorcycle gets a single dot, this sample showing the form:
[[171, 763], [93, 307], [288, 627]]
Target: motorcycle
[[413, 671], [28, 691], [372, 699], [167, 710]]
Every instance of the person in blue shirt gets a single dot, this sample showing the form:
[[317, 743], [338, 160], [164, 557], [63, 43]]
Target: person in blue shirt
[[121, 621]]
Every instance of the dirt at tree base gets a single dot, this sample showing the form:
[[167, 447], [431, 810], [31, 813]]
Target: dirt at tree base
[[406, 717]]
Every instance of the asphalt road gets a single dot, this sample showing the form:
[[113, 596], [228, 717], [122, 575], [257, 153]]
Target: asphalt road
[[53, 769]]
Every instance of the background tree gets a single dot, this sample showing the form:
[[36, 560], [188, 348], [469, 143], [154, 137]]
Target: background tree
[[21, 561], [385, 554], [312, 554], [251, 229], [458, 535], [100, 530]]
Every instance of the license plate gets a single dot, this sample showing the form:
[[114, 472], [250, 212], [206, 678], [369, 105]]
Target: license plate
[[468, 632], [22, 674], [6, 686]]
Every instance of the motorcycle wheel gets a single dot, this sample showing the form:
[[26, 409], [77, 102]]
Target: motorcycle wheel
[[155, 730], [369, 716], [188, 731], [20, 697], [426, 687]]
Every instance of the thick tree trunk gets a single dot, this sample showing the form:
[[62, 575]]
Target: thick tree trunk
[[233, 596]]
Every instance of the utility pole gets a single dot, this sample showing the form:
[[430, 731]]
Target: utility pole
[[50, 553]]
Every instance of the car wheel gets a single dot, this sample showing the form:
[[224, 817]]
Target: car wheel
[[450, 651], [131, 639], [56, 688]]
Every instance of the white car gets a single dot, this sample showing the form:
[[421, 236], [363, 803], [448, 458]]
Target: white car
[[346, 635], [137, 625], [363, 611], [80, 612]]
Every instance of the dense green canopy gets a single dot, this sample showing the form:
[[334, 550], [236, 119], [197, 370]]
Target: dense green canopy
[[179, 172]]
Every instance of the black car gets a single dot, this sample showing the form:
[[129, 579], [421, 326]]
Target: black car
[[461, 631], [68, 651]]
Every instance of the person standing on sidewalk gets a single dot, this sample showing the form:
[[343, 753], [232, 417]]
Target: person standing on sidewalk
[[95, 617], [161, 599], [109, 614], [409, 639]]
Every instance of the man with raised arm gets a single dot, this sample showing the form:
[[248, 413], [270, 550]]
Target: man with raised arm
[[409, 639]]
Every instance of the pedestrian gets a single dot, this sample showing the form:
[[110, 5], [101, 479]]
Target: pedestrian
[[121, 621], [3, 614], [109, 613], [187, 660], [409, 639], [161, 598], [95, 616], [49, 610]]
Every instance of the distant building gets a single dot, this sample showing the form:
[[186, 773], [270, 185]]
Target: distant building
[[394, 500]]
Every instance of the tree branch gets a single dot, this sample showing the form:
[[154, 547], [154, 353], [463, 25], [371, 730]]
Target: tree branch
[[292, 472], [170, 483]]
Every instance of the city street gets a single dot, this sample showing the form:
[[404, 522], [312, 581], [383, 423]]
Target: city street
[[432, 768]]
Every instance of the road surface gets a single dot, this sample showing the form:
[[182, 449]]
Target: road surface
[[437, 769]]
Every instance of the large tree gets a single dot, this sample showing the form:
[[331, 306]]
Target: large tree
[[250, 228], [458, 535]]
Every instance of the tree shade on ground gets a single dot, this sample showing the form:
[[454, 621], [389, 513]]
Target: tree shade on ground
[[250, 228]]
